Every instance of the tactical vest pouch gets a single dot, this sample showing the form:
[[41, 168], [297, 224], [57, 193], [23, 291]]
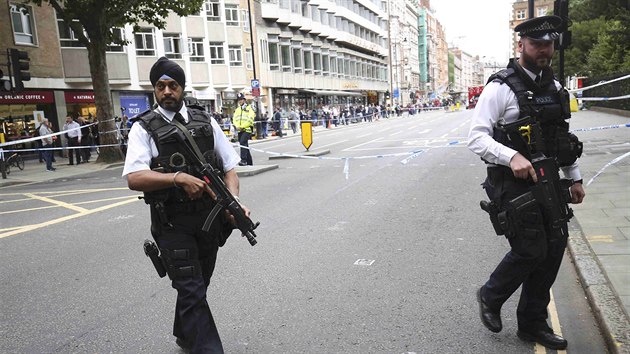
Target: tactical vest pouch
[[569, 149], [523, 217]]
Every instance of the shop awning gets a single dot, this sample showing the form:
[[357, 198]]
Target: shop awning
[[332, 93]]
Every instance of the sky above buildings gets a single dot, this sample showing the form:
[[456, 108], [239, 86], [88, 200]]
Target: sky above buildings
[[477, 27]]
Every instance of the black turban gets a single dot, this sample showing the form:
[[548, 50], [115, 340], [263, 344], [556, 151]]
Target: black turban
[[162, 67]]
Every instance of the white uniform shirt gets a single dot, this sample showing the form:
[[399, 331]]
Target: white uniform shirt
[[141, 148], [495, 102]]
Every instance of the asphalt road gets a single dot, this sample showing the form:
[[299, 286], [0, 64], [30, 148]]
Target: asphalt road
[[356, 254]]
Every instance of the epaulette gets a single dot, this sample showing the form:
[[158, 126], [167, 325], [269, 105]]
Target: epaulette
[[501, 76]]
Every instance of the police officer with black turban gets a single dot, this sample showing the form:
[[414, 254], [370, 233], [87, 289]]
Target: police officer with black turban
[[158, 164], [521, 119]]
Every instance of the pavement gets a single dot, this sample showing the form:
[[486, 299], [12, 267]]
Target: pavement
[[599, 242]]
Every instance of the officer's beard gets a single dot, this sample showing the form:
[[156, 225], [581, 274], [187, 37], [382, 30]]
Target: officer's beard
[[535, 65], [171, 104]]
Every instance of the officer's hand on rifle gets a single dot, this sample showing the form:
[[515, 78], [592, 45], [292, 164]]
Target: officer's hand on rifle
[[577, 193], [231, 218], [522, 168], [193, 186]]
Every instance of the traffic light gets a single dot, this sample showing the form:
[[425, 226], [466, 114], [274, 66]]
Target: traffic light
[[387, 94], [5, 85], [561, 9], [20, 64]]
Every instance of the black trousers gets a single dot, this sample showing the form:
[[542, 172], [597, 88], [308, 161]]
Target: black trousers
[[246, 155], [533, 260], [197, 250], [74, 142]]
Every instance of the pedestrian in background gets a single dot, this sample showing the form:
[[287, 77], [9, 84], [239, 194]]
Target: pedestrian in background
[[73, 134], [526, 91], [293, 120], [85, 139], [243, 120], [277, 122], [47, 143]]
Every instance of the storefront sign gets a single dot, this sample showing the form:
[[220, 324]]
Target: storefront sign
[[228, 95], [286, 92], [134, 104], [27, 97], [79, 97]]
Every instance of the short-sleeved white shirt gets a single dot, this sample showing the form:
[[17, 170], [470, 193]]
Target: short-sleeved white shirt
[[141, 148], [495, 102]]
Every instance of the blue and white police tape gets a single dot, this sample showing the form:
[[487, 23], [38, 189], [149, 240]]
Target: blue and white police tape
[[21, 141], [601, 83], [606, 166], [410, 155], [603, 127]]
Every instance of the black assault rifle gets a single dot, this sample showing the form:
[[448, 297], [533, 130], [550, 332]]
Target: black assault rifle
[[225, 199]]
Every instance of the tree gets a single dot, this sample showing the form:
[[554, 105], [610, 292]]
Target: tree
[[92, 22], [600, 42]]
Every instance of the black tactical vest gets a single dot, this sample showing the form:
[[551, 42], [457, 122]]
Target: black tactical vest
[[173, 156], [549, 109]]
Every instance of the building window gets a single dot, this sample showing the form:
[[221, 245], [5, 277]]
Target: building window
[[274, 61], [541, 11], [172, 45], [333, 65], [236, 55], [297, 57], [216, 53], [212, 10], [249, 59], [308, 59], [245, 20], [67, 38], [145, 42], [285, 54], [195, 49], [23, 28], [317, 63], [520, 14], [231, 15], [118, 37], [325, 65]]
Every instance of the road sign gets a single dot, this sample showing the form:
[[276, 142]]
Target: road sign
[[255, 91], [255, 84], [307, 134]]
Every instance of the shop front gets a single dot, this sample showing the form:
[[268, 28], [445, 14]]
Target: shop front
[[22, 113], [80, 104]]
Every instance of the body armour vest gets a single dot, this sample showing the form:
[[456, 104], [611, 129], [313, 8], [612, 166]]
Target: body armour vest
[[547, 107], [173, 155]]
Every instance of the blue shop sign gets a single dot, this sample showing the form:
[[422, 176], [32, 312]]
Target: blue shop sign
[[134, 104]]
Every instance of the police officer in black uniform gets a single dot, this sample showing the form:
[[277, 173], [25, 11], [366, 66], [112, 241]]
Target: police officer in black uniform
[[158, 164], [520, 128]]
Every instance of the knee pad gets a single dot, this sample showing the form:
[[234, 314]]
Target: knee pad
[[181, 263]]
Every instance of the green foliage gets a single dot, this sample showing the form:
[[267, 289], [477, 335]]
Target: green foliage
[[98, 17], [611, 52], [600, 38]]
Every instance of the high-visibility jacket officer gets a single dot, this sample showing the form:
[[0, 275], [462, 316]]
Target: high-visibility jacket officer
[[243, 120]]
